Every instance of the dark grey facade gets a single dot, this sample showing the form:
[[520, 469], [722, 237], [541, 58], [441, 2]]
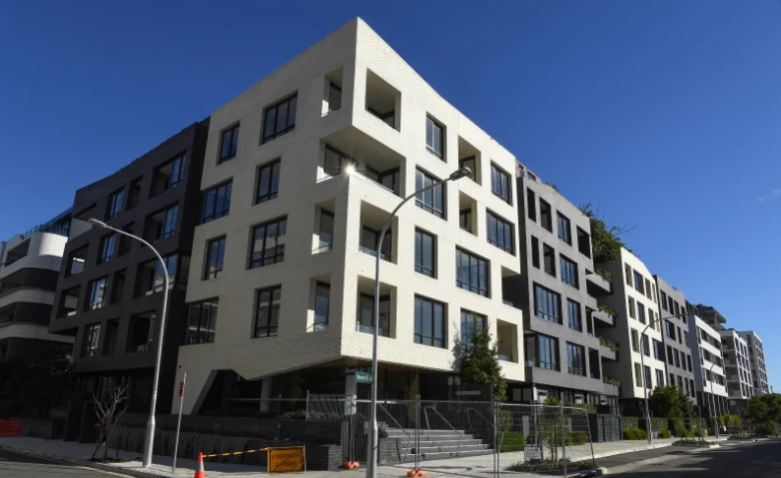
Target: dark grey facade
[[109, 293], [679, 359], [555, 292]]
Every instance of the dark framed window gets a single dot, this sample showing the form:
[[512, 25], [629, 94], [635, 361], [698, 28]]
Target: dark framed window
[[573, 313], [658, 351], [334, 97], [326, 231], [500, 233], [535, 252], [472, 273], [647, 377], [268, 243], [563, 224], [202, 322], [97, 293], [425, 253], [90, 341], [432, 200], [465, 220], [547, 352], [549, 259], [267, 302], [659, 378], [500, 184], [334, 161], [645, 345], [366, 315], [107, 245], [569, 271], [435, 137], [229, 143], [216, 202], [134, 194], [114, 206], [670, 355], [124, 241], [576, 359], [531, 205], [584, 243], [639, 283], [640, 313], [168, 175], [472, 324], [429, 322], [268, 182], [471, 163], [370, 239], [215, 255], [322, 303], [168, 225], [546, 218], [279, 119], [118, 286], [547, 304]]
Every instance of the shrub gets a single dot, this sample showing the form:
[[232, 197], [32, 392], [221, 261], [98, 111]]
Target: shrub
[[766, 429], [665, 434], [635, 434], [577, 438], [682, 433], [630, 423], [512, 441]]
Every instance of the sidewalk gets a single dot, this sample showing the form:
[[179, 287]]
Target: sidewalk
[[79, 454]]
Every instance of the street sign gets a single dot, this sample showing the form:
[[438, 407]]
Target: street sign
[[363, 377], [286, 460], [532, 454]]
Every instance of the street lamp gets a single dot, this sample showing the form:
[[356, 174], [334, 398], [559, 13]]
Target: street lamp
[[714, 418], [371, 468], [150, 424], [642, 365]]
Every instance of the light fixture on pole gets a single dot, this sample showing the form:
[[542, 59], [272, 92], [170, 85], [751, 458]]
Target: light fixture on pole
[[371, 467], [150, 425]]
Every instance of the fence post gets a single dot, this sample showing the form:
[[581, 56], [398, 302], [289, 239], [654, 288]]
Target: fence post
[[495, 433], [307, 405], [417, 431], [563, 439]]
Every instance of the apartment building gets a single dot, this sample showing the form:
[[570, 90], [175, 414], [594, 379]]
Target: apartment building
[[110, 288], [709, 374], [674, 323], [561, 316], [756, 357], [634, 300], [314, 158], [29, 265], [738, 366]]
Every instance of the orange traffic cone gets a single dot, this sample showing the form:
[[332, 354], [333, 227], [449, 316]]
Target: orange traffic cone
[[199, 473]]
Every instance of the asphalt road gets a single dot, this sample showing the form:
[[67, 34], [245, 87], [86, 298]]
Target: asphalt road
[[733, 460], [17, 465]]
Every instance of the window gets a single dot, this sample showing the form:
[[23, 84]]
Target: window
[[689, 362], [547, 304], [124, 241], [229, 143], [107, 248], [162, 224], [640, 313], [653, 295], [90, 341], [547, 352], [664, 300], [576, 360], [628, 274], [646, 346], [110, 339], [680, 336], [535, 252], [202, 322], [658, 350], [140, 332], [370, 239], [268, 243], [268, 182], [471, 163], [429, 322], [322, 303], [97, 293], [435, 137], [500, 233], [472, 273], [432, 200], [472, 324], [659, 378], [366, 315], [638, 376], [680, 382], [150, 277], [546, 219], [215, 254], [425, 253], [114, 206], [573, 312], [500, 183], [677, 357], [635, 341], [672, 379], [563, 226], [647, 377], [326, 235], [169, 175], [531, 205], [465, 220], [639, 283], [670, 329], [118, 286], [569, 271], [334, 97], [549, 258], [648, 289], [134, 194], [632, 308], [267, 311], [584, 243], [279, 119], [216, 202]]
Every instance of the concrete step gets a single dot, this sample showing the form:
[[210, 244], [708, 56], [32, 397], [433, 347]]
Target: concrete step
[[439, 443], [412, 431], [449, 449], [413, 436], [447, 455]]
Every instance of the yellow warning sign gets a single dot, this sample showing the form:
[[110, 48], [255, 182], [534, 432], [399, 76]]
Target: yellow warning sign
[[286, 460]]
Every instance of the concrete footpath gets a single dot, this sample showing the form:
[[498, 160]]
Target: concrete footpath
[[79, 454]]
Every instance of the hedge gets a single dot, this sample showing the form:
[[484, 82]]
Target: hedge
[[635, 434], [629, 423], [657, 424], [512, 441]]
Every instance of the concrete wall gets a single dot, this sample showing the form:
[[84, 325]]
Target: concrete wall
[[681, 343], [696, 325]]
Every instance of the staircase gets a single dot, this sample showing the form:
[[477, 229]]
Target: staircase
[[437, 444]]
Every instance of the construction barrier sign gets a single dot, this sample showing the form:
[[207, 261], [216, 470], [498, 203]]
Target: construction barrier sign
[[286, 460]]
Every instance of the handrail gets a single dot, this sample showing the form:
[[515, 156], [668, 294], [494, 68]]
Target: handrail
[[409, 437], [469, 419], [460, 435]]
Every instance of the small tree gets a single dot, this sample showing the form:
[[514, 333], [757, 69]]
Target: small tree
[[480, 364], [764, 411], [108, 413], [606, 242], [669, 402]]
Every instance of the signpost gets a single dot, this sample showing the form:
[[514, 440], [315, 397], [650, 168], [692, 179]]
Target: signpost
[[179, 422], [532, 454], [363, 377], [286, 460]]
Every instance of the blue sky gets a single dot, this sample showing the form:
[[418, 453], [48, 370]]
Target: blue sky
[[663, 114]]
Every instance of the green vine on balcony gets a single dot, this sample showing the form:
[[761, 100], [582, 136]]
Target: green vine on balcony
[[607, 310], [611, 381], [607, 275], [608, 343]]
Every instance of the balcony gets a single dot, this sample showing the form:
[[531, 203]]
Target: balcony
[[597, 285], [383, 100], [607, 353], [557, 378], [507, 335], [372, 221], [604, 318]]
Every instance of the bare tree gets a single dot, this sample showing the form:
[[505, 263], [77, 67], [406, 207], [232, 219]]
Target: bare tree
[[108, 413]]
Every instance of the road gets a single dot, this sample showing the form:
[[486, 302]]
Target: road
[[17, 465], [733, 460]]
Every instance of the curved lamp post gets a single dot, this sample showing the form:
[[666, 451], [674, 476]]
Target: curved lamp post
[[150, 425], [371, 468]]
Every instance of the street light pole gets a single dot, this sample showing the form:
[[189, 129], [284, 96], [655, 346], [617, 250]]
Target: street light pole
[[371, 468], [150, 425], [714, 418]]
